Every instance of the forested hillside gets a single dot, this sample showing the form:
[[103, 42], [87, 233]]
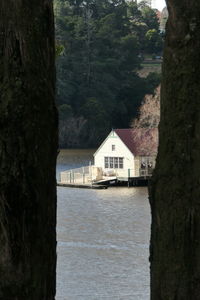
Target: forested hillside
[[100, 46]]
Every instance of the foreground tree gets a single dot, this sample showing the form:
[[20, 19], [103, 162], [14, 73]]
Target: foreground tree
[[175, 191], [28, 142]]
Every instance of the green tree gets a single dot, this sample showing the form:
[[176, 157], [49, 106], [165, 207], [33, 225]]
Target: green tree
[[150, 17], [100, 61], [145, 25], [154, 42]]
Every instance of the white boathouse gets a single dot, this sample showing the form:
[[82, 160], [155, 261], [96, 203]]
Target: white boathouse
[[125, 155], [128, 153]]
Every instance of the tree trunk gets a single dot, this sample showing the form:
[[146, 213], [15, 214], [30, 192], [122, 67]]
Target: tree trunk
[[28, 146], [175, 189]]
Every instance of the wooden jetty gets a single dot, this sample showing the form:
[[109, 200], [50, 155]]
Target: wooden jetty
[[83, 186], [125, 181], [91, 177]]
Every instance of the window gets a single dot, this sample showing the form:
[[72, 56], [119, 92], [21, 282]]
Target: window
[[121, 163], [111, 162], [114, 162], [106, 162], [113, 147]]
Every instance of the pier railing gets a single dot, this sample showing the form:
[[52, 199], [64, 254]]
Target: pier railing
[[130, 173], [92, 174], [84, 175], [79, 175], [146, 172]]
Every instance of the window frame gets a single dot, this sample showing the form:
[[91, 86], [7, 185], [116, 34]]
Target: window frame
[[106, 162], [112, 162], [116, 162], [121, 162]]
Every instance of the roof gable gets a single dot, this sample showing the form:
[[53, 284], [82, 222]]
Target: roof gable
[[109, 135]]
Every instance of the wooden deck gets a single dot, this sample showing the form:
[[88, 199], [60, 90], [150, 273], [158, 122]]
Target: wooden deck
[[125, 181], [83, 186], [89, 177]]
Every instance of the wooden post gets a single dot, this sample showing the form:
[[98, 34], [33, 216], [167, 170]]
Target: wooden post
[[83, 175]]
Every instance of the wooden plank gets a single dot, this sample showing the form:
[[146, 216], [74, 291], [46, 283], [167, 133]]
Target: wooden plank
[[83, 186]]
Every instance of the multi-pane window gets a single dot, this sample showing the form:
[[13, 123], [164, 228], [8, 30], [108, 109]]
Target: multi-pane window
[[111, 162], [121, 163], [113, 147], [114, 162], [106, 162]]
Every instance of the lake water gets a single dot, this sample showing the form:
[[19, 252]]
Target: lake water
[[103, 239]]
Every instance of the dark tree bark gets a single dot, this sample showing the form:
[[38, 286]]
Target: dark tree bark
[[28, 143], [175, 190]]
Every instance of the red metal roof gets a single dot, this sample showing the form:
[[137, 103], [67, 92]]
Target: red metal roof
[[140, 141]]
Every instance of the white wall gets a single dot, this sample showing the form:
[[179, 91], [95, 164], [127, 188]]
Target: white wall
[[120, 151]]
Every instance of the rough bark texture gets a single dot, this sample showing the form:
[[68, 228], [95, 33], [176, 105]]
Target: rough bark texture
[[175, 190], [28, 142]]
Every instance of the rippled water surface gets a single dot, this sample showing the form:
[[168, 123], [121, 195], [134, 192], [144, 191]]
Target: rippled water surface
[[103, 240]]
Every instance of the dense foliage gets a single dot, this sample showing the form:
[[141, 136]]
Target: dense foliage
[[100, 46]]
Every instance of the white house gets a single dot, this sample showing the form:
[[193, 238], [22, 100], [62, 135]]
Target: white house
[[128, 152]]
